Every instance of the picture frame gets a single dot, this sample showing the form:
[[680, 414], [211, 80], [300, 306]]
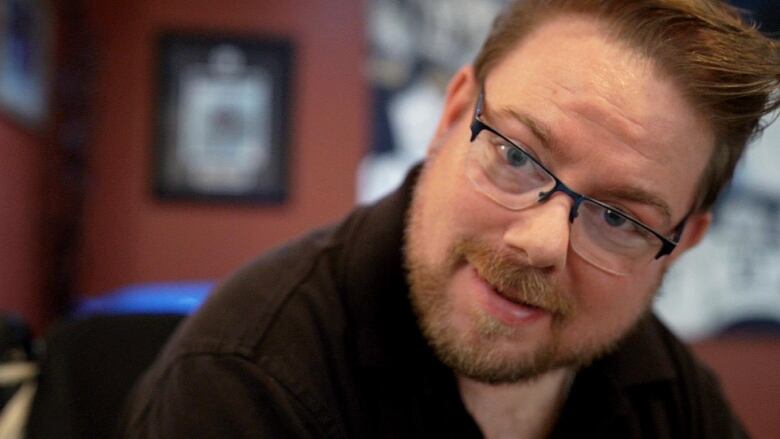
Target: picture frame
[[26, 30], [222, 118]]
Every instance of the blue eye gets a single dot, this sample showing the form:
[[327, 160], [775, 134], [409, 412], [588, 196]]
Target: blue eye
[[614, 219], [516, 157]]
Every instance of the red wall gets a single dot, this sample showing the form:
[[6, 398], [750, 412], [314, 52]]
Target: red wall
[[21, 275], [132, 237], [747, 366]]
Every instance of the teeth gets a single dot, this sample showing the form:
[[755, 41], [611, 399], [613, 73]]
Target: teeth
[[521, 313]]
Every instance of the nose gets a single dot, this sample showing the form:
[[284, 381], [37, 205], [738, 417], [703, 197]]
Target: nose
[[540, 233]]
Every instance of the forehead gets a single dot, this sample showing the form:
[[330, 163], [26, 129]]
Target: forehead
[[614, 119]]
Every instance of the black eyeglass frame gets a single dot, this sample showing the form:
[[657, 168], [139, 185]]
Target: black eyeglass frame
[[667, 245]]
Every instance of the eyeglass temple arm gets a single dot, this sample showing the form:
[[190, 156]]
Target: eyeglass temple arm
[[476, 124], [669, 245], [479, 108]]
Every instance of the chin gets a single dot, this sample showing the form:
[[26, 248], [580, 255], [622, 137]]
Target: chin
[[476, 345]]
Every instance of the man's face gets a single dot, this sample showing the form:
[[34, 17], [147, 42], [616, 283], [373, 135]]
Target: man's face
[[499, 293]]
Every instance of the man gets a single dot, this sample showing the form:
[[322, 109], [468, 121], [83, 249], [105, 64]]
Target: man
[[504, 290]]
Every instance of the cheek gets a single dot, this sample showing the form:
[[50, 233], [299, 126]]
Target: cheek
[[447, 208], [608, 306], [470, 215]]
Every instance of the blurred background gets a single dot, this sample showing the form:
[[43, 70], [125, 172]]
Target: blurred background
[[149, 148]]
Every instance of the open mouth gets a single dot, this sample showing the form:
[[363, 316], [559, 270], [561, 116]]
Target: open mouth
[[504, 306], [512, 299], [508, 296]]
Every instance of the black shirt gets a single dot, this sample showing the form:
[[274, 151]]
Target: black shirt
[[318, 340]]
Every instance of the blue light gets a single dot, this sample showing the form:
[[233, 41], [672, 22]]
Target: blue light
[[153, 298]]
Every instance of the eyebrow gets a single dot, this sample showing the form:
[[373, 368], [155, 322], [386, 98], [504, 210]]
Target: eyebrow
[[539, 129], [642, 197]]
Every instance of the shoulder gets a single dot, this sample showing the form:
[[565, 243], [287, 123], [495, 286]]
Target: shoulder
[[280, 288], [281, 345], [208, 395], [274, 337]]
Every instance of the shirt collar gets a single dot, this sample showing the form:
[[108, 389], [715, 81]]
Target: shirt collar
[[375, 279], [642, 357]]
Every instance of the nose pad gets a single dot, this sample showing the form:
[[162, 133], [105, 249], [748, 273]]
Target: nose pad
[[541, 233], [560, 187]]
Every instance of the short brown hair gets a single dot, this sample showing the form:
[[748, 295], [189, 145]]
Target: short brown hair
[[728, 70]]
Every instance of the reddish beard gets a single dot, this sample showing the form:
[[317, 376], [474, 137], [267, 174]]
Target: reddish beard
[[472, 354], [512, 279]]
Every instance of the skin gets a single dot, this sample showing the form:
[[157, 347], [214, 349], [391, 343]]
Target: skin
[[617, 122]]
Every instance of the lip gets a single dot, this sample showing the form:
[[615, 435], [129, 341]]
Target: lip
[[508, 312]]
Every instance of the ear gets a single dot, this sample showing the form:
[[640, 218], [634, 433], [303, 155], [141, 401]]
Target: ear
[[459, 100], [697, 226]]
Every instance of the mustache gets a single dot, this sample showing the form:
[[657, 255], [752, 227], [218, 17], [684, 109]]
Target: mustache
[[513, 279]]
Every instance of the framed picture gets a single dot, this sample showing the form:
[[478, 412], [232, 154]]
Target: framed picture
[[25, 41], [222, 118]]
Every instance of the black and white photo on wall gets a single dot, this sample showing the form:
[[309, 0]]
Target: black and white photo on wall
[[222, 118]]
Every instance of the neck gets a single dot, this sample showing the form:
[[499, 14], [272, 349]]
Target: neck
[[520, 410]]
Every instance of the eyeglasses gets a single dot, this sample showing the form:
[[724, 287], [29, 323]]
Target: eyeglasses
[[603, 235]]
